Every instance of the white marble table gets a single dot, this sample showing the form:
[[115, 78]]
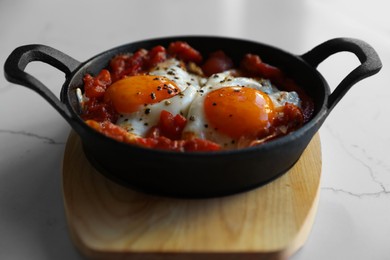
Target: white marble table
[[354, 208]]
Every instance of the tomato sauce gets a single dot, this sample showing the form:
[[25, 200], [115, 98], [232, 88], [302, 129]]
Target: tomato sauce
[[167, 134]]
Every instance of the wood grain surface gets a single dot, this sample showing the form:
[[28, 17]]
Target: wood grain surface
[[108, 221]]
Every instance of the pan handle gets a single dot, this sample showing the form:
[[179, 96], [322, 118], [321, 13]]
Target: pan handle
[[18, 60], [369, 59]]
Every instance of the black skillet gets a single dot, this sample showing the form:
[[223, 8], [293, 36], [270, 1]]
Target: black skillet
[[205, 174]]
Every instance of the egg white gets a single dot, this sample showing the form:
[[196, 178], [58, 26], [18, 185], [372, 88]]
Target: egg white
[[198, 125], [141, 121], [174, 71]]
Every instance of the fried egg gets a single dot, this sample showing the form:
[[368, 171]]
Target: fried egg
[[140, 99], [228, 109]]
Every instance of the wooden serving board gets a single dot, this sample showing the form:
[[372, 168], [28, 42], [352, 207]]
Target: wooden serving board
[[108, 221]]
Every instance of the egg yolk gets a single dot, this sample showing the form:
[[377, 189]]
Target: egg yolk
[[129, 94], [239, 111]]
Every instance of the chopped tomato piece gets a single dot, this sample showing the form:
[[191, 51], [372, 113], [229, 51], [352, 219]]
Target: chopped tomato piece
[[168, 144], [111, 130], [128, 65], [292, 117], [171, 126], [95, 87], [254, 65], [185, 52], [156, 55], [147, 142], [217, 62], [100, 112], [118, 64], [134, 64]]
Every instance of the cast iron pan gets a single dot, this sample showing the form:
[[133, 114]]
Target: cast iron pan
[[206, 174]]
